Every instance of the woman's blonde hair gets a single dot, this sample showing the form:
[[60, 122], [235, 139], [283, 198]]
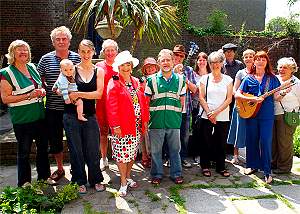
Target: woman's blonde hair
[[248, 51], [289, 62], [87, 43], [11, 51]]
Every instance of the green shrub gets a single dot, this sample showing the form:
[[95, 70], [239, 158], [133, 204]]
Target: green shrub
[[297, 142], [289, 27], [218, 21], [31, 199]]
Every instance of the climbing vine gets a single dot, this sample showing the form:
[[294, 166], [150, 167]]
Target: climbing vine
[[217, 21]]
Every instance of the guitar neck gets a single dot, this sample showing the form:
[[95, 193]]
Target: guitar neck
[[276, 89]]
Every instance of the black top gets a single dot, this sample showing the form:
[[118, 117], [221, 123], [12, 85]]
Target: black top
[[88, 104]]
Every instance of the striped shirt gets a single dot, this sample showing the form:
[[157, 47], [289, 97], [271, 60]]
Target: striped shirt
[[49, 69]]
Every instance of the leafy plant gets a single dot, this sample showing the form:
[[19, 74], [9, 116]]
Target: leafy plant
[[31, 199], [154, 18], [218, 21], [297, 142], [153, 197], [285, 26]]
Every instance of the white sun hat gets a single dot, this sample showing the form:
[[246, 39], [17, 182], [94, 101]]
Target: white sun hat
[[122, 58]]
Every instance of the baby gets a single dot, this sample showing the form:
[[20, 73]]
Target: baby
[[66, 83]]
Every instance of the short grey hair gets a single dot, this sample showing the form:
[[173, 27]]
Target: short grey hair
[[109, 42], [61, 29], [11, 51], [165, 51], [289, 62], [216, 56]]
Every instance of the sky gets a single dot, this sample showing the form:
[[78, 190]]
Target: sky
[[280, 8]]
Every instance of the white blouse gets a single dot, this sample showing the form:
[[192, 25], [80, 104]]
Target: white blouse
[[291, 101], [216, 95]]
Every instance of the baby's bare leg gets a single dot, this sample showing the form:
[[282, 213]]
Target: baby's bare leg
[[79, 108]]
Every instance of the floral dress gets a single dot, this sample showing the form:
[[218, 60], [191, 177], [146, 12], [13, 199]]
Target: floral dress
[[124, 149]]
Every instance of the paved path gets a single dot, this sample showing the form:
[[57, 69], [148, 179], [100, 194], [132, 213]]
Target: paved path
[[236, 194]]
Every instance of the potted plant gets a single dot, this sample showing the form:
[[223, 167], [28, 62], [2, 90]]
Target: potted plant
[[154, 18]]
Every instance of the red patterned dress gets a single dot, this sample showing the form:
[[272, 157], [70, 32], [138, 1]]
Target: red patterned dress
[[124, 149]]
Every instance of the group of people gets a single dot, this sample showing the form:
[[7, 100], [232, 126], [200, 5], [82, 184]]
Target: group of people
[[91, 102]]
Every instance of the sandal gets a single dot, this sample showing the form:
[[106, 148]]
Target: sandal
[[100, 187], [268, 179], [57, 175], [224, 173], [123, 191], [178, 180], [235, 160], [131, 183], [146, 163], [206, 172], [155, 181], [250, 171], [82, 189]]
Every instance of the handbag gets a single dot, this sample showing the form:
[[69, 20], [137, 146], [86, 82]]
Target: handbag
[[291, 118], [198, 119]]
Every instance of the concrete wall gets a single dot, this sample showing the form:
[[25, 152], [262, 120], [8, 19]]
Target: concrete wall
[[239, 11]]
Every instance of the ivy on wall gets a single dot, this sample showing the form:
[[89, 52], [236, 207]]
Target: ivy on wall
[[216, 19]]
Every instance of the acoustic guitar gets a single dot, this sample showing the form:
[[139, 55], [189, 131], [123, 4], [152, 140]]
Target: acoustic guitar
[[248, 109]]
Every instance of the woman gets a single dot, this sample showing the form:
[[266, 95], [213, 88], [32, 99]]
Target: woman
[[282, 146], [215, 96], [109, 51], [201, 68], [83, 137], [259, 128], [127, 118], [21, 89], [149, 67], [237, 131]]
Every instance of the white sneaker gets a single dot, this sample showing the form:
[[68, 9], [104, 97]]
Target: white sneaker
[[103, 164], [27, 184], [123, 191]]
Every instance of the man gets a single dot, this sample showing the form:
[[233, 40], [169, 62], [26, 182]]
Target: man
[[165, 91], [110, 51], [230, 67], [49, 69], [179, 56]]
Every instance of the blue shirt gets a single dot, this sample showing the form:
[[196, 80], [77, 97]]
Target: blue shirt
[[252, 86]]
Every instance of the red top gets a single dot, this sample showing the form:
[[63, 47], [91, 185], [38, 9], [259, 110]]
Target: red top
[[100, 105], [120, 105]]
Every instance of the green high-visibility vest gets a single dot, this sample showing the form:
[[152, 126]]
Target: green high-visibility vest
[[25, 111], [165, 106]]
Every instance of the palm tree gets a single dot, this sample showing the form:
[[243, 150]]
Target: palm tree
[[155, 18]]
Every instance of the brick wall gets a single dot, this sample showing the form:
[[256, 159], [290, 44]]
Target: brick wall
[[32, 21], [8, 151], [277, 48]]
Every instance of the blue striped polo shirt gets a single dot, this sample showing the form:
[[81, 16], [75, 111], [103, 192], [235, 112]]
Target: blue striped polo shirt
[[49, 69]]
